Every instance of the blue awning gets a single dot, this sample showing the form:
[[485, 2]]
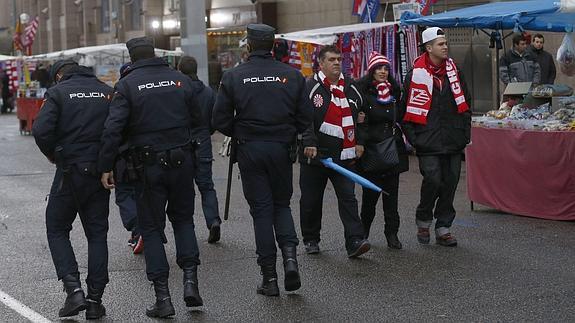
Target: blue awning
[[540, 15]]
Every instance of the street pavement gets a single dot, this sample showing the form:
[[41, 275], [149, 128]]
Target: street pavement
[[506, 268]]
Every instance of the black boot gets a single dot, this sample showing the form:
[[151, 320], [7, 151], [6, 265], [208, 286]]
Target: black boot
[[191, 293], [94, 308], [269, 286], [163, 307], [393, 241], [75, 301], [292, 281]]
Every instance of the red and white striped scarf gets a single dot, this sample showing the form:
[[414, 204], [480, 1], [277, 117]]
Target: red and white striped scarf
[[383, 92], [338, 121], [421, 88]]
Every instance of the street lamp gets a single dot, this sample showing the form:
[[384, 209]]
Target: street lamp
[[155, 24]]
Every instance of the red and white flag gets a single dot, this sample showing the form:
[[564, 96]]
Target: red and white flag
[[30, 34]]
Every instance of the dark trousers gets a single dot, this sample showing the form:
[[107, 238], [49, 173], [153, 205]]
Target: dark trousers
[[169, 187], [266, 171], [312, 182], [205, 182], [126, 202], [440, 179], [83, 194], [389, 184]]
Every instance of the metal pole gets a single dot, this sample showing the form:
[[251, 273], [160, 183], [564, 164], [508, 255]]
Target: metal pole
[[193, 32]]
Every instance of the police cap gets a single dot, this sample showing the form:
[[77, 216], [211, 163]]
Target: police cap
[[58, 65], [260, 32], [139, 42]]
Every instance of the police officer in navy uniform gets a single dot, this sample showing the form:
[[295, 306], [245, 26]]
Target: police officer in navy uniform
[[67, 131], [202, 136], [151, 114], [263, 104]]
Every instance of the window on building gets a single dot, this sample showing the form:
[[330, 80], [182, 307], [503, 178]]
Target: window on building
[[105, 16]]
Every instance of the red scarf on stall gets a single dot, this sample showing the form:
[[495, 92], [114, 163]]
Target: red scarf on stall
[[338, 121], [425, 77]]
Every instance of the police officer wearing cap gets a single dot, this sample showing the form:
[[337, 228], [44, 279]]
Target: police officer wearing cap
[[263, 104], [67, 131], [151, 114]]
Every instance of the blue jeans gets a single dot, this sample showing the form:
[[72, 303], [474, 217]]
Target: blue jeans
[[205, 183], [126, 201]]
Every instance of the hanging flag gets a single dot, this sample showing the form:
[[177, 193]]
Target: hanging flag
[[424, 5], [367, 9], [30, 35], [17, 39]]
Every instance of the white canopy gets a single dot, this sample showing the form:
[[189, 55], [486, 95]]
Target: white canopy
[[115, 52], [7, 58], [327, 35]]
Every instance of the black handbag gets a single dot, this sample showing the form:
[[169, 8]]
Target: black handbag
[[383, 156]]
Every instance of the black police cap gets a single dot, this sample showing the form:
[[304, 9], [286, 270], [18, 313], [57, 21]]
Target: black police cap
[[138, 42], [260, 32], [58, 65]]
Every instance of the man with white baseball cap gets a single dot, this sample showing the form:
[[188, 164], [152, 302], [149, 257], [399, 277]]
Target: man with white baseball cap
[[437, 123]]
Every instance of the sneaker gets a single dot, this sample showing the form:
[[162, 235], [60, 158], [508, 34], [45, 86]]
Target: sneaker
[[311, 247], [132, 241], [423, 235], [446, 240], [358, 248], [139, 246], [215, 233]]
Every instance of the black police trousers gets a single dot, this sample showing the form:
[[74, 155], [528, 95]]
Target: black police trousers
[[390, 184], [78, 192], [312, 182], [440, 179], [205, 183], [167, 186], [266, 171]]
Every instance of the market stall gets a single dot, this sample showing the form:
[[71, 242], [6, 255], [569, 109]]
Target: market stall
[[521, 156], [356, 42]]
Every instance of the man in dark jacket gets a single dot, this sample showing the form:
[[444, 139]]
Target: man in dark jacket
[[518, 65], [437, 124], [332, 135], [67, 131], [201, 136], [262, 105], [544, 59], [151, 116]]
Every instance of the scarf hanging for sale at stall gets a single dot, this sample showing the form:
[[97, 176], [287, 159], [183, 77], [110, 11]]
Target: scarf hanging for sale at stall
[[294, 56], [412, 48], [356, 57], [346, 53], [390, 49]]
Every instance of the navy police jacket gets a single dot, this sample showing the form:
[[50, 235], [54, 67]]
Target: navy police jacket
[[206, 98], [153, 105], [269, 100], [72, 117]]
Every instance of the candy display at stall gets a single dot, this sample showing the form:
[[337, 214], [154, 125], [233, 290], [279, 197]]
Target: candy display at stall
[[560, 117]]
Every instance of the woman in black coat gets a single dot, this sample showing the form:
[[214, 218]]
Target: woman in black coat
[[379, 120]]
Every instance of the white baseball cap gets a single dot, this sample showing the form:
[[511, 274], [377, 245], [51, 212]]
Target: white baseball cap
[[430, 34]]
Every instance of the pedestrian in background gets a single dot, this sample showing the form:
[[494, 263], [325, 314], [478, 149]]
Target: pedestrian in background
[[437, 123], [518, 65], [67, 131], [544, 59], [202, 138], [379, 120], [125, 194]]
